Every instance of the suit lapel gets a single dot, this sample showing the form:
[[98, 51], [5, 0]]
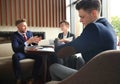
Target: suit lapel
[[20, 37], [28, 35], [68, 34]]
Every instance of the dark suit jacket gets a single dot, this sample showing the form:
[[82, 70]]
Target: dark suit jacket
[[18, 41], [95, 38], [60, 35]]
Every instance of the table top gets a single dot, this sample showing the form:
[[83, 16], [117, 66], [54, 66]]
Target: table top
[[40, 49]]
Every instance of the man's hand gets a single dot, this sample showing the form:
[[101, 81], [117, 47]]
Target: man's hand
[[34, 39], [64, 40]]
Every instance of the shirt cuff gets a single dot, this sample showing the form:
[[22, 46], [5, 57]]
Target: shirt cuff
[[25, 43]]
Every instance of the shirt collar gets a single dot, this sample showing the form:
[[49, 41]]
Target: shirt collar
[[21, 33]]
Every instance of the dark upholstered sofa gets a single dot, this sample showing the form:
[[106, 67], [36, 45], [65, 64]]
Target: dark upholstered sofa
[[5, 35]]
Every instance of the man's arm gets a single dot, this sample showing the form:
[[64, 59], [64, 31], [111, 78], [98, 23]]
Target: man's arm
[[17, 43], [66, 51], [83, 43]]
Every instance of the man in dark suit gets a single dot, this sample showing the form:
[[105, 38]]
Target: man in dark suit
[[64, 25], [65, 37], [21, 38], [97, 36]]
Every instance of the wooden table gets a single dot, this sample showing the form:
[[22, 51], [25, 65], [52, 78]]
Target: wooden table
[[42, 51]]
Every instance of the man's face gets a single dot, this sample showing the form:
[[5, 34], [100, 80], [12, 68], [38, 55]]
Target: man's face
[[85, 17], [22, 27], [64, 27]]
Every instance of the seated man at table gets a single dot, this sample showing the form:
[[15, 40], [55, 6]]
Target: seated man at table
[[98, 35], [65, 37], [21, 38]]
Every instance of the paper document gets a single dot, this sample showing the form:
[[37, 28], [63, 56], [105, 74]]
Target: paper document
[[48, 49], [69, 38]]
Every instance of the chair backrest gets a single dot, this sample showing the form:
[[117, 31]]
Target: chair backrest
[[104, 68], [6, 50]]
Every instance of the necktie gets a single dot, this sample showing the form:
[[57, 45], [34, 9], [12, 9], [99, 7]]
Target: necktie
[[25, 37]]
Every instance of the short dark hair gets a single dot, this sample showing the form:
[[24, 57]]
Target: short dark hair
[[89, 5], [64, 21], [19, 21]]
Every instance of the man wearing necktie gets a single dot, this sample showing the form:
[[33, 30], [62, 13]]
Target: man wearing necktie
[[21, 38], [24, 36]]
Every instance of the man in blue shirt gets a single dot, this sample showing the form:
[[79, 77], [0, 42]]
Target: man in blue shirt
[[97, 36]]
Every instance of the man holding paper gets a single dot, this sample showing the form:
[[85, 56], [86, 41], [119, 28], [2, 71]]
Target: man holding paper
[[65, 36]]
